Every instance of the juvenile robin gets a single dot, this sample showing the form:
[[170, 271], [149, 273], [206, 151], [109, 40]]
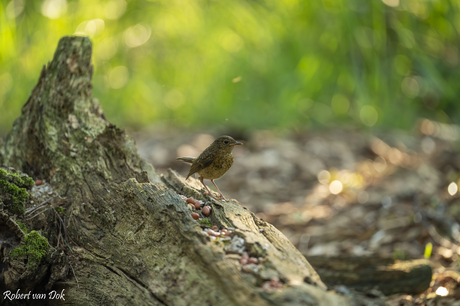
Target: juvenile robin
[[213, 162]]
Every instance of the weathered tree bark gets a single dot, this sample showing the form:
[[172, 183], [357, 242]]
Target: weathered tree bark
[[132, 237], [365, 273]]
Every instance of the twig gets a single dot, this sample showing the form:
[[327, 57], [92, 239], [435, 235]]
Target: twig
[[74, 275], [65, 230], [37, 214], [33, 209]]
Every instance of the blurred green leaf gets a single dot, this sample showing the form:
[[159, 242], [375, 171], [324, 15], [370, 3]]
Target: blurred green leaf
[[245, 64]]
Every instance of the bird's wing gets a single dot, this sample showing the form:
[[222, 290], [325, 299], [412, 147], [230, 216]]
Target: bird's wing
[[201, 162]]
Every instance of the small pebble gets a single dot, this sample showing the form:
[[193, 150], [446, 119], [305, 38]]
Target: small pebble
[[38, 182], [253, 260], [197, 204], [244, 259], [266, 286], [215, 228], [206, 210], [191, 200], [273, 284], [195, 216], [213, 233]]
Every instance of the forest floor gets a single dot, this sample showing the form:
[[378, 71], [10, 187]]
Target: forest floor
[[344, 192]]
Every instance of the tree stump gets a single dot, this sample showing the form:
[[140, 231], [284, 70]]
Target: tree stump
[[124, 231]]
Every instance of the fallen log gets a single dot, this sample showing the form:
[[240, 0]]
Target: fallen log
[[366, 273], [118, 232]]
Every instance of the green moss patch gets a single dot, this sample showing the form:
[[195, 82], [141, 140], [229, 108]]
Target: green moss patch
[[23, 227], [13, 190], [205, 222], [34, 249]]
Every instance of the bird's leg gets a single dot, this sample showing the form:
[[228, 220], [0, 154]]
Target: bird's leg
[[221, 195], [207, 189]]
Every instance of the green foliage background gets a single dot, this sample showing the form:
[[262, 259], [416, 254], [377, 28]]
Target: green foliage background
[[246, 64]]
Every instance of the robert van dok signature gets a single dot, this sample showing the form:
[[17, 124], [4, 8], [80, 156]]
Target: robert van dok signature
[[53, 295]]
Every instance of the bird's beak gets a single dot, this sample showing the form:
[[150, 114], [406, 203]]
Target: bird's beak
[[237, 143]]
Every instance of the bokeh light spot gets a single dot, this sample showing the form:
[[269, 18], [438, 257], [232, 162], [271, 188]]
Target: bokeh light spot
[[380, 164], [368, 115], [115, 9], [335, 187], [324, 177], [452, 188], [442, 291], [322, 113], [410, 87], [14, 9], [428, 145], [392, 3], [90, 27], [118, 77], [106, 49], [137, 35], [173, 99], [427, 127], [340, 104], [54, 9]]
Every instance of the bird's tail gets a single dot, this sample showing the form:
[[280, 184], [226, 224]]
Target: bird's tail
[[186, 159]]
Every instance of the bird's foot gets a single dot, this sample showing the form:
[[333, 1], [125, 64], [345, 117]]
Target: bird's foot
[[210, 194], [222, 196], [216, 197]]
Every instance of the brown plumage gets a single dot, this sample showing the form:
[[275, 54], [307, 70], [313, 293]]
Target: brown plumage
[[214, 162]]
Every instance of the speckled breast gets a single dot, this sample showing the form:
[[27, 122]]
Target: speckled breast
[[217, 168]]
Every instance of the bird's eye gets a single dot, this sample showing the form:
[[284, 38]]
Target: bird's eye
[[226, 141]]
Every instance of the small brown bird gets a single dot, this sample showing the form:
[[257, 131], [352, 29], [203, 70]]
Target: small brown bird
[[214, 162]]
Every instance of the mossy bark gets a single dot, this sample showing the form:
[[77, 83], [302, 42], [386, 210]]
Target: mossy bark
[[134, 241]]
